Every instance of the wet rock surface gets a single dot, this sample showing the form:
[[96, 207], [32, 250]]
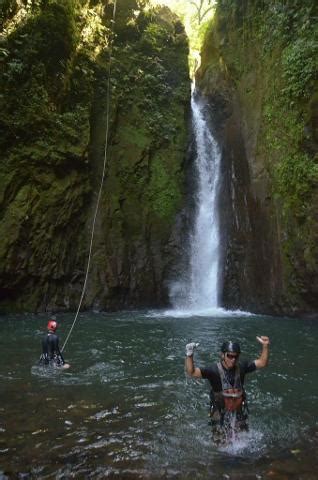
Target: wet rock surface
[[53, 154], [269, 245]]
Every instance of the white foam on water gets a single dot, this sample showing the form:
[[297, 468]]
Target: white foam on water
[[214, 312], [206, 312]]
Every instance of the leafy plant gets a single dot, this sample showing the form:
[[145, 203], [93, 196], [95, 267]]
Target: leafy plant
[[300, 67]]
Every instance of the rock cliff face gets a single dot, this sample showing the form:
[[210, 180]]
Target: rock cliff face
[[259, 74], [53, 114]]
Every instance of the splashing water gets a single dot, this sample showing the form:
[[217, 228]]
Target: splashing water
[[200, 290]]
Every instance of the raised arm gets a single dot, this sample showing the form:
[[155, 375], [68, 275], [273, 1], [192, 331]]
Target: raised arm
[[189, 363], [262, 361]]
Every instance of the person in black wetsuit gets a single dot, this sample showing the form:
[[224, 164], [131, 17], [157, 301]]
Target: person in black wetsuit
[[226, 377], [51, 354]]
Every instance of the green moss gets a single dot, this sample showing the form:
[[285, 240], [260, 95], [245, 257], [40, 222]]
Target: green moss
[[134, 136], [269, 51], [163, 190], [13, 220], [150, 92], [53, 107], [294, 171], [300, 65]]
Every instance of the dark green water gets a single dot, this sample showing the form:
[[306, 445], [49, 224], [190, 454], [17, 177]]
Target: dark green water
[[126, 409]]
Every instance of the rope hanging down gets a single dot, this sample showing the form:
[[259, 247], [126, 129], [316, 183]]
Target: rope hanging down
[[102, 180]]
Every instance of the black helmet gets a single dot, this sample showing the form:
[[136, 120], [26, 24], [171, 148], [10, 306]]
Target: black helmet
[[231, 347]]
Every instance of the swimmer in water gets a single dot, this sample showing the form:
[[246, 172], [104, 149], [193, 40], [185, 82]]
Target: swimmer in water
[[51, 354]]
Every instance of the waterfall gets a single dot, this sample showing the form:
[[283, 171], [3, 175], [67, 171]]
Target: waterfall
[[199, 290]]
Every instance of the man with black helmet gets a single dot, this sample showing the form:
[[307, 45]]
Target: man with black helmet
[[51, 354], [228, 399]]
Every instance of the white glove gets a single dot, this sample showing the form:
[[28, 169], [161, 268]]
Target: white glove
[[190, 348]]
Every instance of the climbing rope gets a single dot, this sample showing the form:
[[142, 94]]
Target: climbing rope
[[102, 178]]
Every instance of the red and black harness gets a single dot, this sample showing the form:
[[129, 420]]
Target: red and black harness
[[232, 394], [229, 410]]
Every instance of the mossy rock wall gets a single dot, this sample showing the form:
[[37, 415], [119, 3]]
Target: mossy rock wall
[[259, 73], [53, 114]]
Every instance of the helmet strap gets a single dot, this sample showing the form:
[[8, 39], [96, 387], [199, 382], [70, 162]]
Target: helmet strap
[[223, 357]]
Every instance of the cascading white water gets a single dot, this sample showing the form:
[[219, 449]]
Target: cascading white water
[[200, 289], [204, 258]]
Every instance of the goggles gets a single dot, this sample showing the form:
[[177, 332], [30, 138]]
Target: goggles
[[231, 356]]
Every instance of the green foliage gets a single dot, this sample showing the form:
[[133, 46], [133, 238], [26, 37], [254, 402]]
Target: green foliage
[[52, 113], [281, 23], [8, 8], [296, 176], [294, 171], [44, 43], [148, 74], [300, 67], [270, 50], [290, 49], [54, 35], [154, 38]]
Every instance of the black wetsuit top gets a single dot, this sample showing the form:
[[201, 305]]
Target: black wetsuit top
[[212, 374], [51, 351]]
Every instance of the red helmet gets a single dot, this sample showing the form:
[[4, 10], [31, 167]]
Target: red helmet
[[52, 325]]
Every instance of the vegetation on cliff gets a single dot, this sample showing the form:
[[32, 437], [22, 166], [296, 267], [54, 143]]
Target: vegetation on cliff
[[54, 75], [268, 52]]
